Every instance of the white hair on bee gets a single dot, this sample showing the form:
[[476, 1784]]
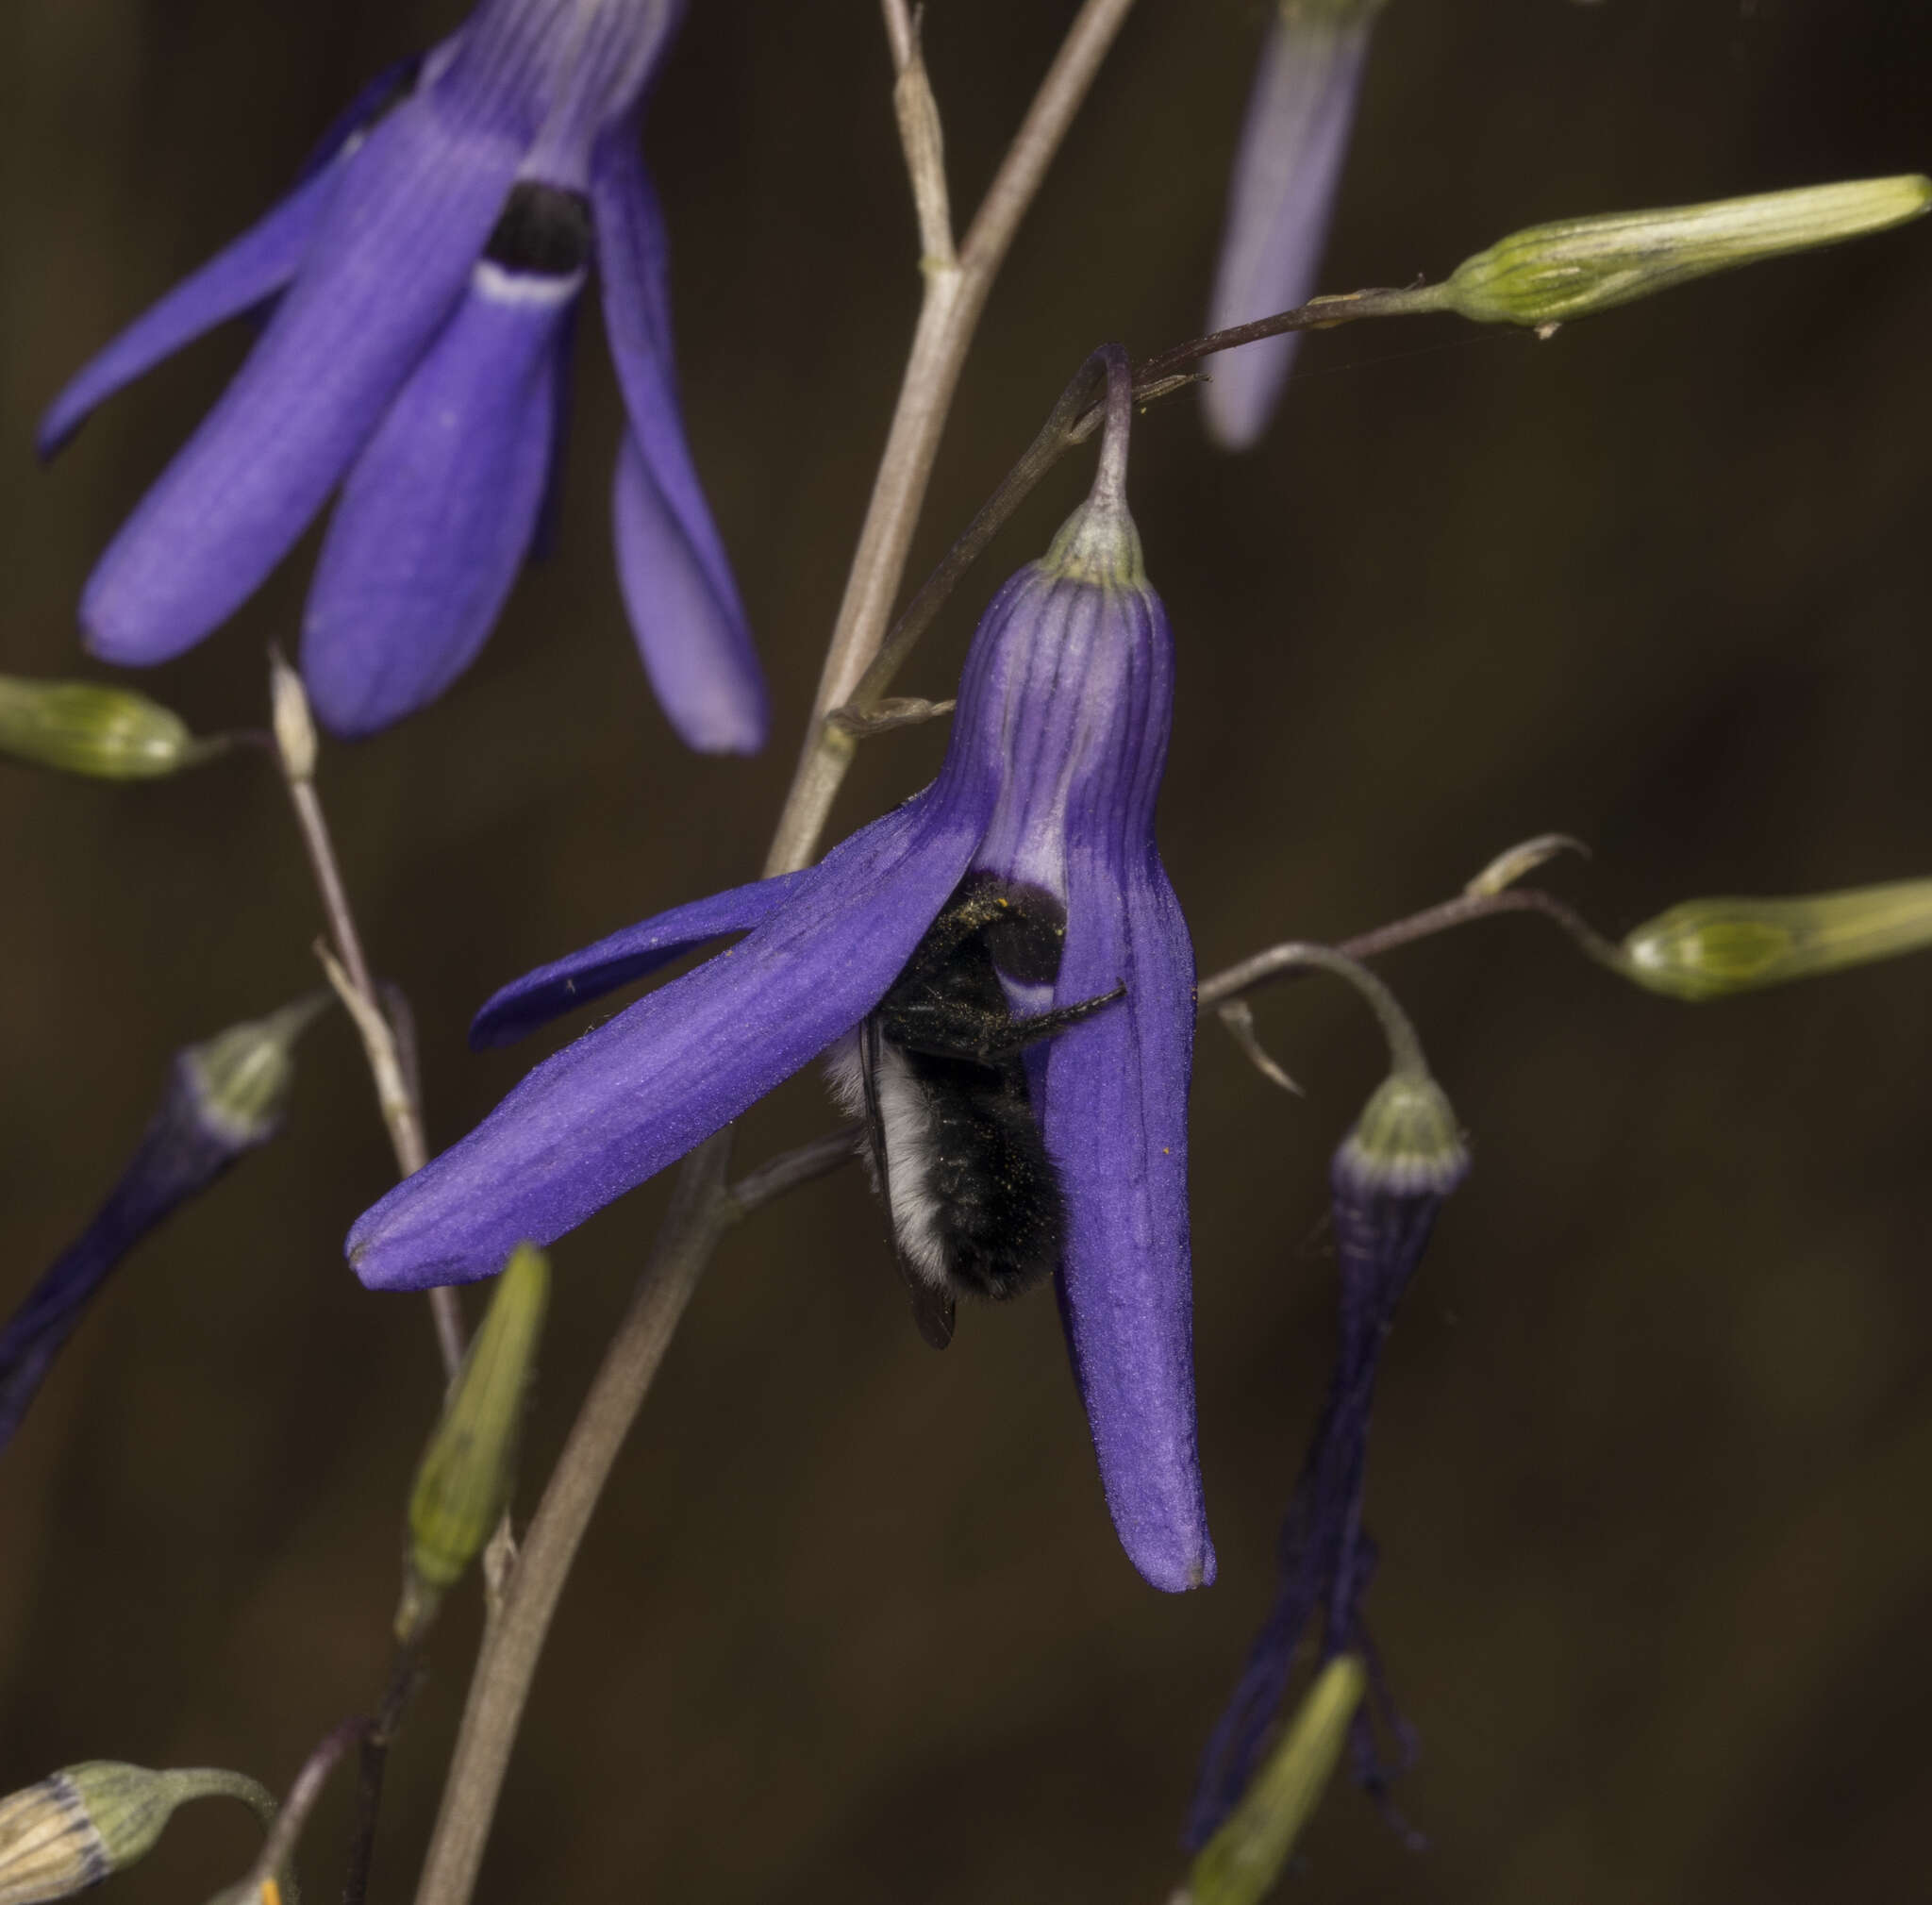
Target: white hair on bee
[[911, 1144]]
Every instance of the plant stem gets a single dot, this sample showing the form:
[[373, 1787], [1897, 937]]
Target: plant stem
[[956, 293], [699, 1215], [395, 1091], [701, 1208]]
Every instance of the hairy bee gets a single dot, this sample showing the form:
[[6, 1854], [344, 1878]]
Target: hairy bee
[[936, 1072]]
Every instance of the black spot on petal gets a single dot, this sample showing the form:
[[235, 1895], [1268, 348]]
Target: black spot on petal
[[543, 231]]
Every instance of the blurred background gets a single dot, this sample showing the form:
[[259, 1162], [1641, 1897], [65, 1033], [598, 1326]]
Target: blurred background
[[1651, 1458]]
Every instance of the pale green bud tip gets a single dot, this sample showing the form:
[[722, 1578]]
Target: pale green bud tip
[[108, 733], [1554, 273], [1708, 948], [240, 1077], [1407, 1143], [1241, 1863], [75, 1829], [294, 726], [464, 1482], [1098, 544]]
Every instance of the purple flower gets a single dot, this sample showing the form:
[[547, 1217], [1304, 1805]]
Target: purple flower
[[421, 280], [1279, 199], [1388, 1180], [223, 1097], [1048, 785]]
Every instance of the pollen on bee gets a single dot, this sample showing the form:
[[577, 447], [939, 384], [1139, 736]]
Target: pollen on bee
[[271, 1892]]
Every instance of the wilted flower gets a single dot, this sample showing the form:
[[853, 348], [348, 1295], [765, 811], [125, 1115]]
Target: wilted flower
[[1387, 1180], [223, 1097], [1279, 198], [1049, 783], [423, 276]]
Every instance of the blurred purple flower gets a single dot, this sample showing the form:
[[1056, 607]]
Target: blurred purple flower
[[1388, 1183], [1279, 199], [421, 280], [1049, 782], [223, 1097]]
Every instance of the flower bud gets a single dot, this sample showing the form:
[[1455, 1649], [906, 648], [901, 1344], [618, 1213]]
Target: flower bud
[[107, 733], [1709, 948], [1388, 1179], [295, 725], [223, 1097], [464, 1482], [1405, 1144], [1553, 273], [82, 1825], [1241, 1863]]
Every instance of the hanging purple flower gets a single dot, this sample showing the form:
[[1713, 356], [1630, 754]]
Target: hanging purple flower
[[421, 280], [223, 1097], [1388, 1180], [1048, 788], [1279, 199]]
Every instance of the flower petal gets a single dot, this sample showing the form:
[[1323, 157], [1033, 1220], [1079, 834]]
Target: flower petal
[[1115, 1117], [248, 273], [677, 584], [388, 261], [438, 513], [564, 984], [1279, 200], [633, 1095]]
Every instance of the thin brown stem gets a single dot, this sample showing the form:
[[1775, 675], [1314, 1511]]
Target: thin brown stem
[[701, 1208], [1290, 960], [348, 969], [277, 1853], [405, 1675], [698, 1217], [1079, 411], [956, 294], [790, 1169]]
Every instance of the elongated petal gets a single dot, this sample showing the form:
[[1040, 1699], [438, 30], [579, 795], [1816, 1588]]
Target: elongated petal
[[1116, 1124], [387, 265], [580, 977], [436, 515], [633, 1095], [249, 272], [1279, 199], [677, 584]]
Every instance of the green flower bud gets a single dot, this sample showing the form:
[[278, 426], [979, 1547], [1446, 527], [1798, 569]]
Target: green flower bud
[[78, 1826], [1553, 273], [108, 733], [1708, 948], [1241, 1863], [464, 1482], [240, 1079], [1407, 1142]]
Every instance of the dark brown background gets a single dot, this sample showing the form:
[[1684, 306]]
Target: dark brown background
[[1651, 1462]]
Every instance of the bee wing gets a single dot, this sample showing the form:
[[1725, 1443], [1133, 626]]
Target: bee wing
[[932, 1309]]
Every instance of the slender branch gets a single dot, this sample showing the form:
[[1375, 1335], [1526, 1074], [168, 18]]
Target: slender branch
[[956, 294], [1074, 417], [786, 1172], [698, 1217], [348, 969], [405, 1675], [1289, 960], [278, 1853], [921, 136], [701, 1208]]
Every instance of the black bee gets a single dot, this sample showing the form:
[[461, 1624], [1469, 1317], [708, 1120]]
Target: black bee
[[936, 1072]]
